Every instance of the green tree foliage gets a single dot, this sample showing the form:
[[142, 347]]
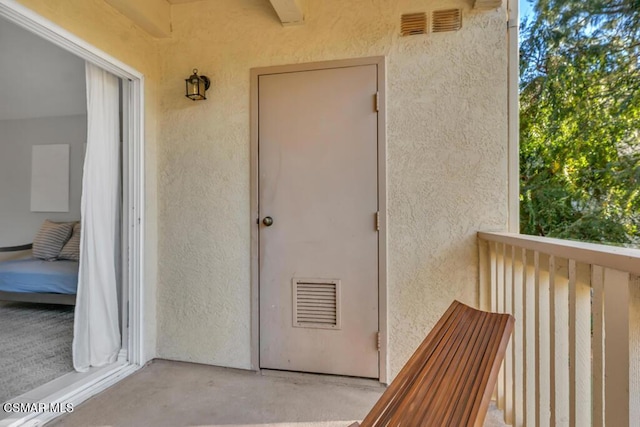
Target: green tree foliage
[[580, 121]]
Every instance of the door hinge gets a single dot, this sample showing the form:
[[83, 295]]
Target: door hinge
[[376, 101], [378, 221], [378, 341]]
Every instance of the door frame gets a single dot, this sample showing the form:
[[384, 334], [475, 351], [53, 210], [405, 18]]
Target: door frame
[[77, 387], [379, 61]]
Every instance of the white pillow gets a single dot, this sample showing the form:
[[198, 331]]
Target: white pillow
[[71, 249], [51, 238]]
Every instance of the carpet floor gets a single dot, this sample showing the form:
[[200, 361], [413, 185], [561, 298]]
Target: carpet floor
[[35, 346]]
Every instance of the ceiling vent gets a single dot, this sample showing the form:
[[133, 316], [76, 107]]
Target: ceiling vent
[[412, 24], [446, 20]]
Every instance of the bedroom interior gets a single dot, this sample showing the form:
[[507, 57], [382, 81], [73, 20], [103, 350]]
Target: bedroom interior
[[43, 141]]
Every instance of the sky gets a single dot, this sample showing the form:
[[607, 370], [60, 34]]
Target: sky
[[525, 9]]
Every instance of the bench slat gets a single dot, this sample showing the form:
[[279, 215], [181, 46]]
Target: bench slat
[[437, 415], [491, 369], [426, 378], [386, 405], [449, 379], [448, 370], [467, 363], [462, 405]]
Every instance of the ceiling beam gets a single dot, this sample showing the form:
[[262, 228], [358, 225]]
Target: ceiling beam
[[153, 16], [289, 11]]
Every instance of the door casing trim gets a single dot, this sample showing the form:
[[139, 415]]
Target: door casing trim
[[379, 61]]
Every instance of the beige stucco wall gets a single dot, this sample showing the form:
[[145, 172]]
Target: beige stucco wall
[[446, 149], [446, 155], [102, 26]]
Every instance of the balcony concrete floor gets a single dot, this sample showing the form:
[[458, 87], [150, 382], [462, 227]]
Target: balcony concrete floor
[[185, 394]]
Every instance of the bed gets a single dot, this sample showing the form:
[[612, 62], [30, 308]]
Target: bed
[[37, 280]]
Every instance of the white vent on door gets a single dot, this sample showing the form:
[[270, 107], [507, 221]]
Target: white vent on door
[[446, 20], [412, 24], [316, 303]]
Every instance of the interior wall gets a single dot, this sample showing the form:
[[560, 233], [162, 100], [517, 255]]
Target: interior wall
[[446, 160], [18, 224], [99, 24], [57, 92]]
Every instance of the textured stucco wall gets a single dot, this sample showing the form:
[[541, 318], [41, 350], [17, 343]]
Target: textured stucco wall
[[102, 26], [446, 157], [446, 154]]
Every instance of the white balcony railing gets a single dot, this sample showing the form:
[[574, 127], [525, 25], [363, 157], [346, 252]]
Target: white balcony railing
[[574, 358]]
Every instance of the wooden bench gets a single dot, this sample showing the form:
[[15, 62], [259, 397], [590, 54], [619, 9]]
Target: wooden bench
[[450, 378]]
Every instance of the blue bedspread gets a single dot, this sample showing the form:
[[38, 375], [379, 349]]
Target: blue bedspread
[[38, 276]]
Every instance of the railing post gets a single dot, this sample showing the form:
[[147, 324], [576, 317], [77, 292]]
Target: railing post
[[616, 349], [500, 278], [634, 346], [559, 309], [499, 307], [543, 267], [493, 254], [579, 344], [494, 300], [517, 347], [529, 344], [508, 359], [597, 345], [484, 275]]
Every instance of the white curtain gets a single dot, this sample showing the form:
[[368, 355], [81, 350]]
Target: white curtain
[[96, 335]]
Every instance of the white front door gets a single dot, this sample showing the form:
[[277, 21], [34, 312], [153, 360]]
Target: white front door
[[318, 198]]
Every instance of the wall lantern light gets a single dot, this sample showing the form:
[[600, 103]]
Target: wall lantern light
[[197, 86]]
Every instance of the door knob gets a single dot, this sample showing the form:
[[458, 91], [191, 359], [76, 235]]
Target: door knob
[[268, 221]]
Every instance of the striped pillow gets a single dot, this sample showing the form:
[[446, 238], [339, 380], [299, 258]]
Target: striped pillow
[[50, 239], [71, 249]]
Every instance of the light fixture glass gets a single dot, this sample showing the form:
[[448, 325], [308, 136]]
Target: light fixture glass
[[197, 86]]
